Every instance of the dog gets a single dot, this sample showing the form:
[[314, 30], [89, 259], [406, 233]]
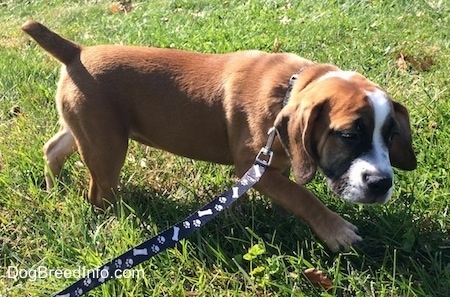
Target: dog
[[218, 108]]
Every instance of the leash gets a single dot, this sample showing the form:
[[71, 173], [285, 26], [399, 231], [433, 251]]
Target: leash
[[174, 234]]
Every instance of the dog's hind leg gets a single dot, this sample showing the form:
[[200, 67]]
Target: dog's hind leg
[[103, 150], [56, 151]]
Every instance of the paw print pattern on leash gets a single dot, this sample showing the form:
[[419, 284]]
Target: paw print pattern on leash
[[161, 239], [118, 263], [78, 292], [129, 263], [87, 282], [155, 248]]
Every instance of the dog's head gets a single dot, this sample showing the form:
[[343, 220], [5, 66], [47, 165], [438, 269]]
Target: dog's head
[[349, 128]]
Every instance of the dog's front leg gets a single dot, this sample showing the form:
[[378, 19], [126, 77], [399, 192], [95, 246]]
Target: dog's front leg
[[337, 233]]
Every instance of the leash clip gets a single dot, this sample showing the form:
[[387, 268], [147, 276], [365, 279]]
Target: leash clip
[[265, 155]]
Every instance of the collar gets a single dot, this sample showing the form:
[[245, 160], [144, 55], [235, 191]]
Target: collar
[[292, 80], [273, 131]]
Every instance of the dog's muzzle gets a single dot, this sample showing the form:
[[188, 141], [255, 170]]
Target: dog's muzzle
[[368, 188]]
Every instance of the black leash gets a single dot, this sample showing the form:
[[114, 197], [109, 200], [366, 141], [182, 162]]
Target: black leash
[[174, 234]]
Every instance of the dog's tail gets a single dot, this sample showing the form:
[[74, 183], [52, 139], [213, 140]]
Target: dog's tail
[[62, 49]]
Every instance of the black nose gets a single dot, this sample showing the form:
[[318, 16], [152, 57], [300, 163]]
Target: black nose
[[378, 184]]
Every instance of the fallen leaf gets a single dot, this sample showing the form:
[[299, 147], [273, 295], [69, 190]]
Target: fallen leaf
[[15, 111], [318, 278], [433, 124], [416, 62], [420, 63], [401, 62], [114, 8], [121, 6]]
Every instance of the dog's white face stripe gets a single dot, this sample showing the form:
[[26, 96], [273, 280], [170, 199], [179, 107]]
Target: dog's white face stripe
[[339, 73], [376, 161], [381, 107]]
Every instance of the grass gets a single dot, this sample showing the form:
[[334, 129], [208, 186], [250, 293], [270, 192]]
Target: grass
[[403, 45]]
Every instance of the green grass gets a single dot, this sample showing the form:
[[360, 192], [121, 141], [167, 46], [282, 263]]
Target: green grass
[[406, 251]]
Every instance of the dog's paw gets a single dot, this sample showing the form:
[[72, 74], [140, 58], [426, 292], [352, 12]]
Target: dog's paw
[[338, 234]]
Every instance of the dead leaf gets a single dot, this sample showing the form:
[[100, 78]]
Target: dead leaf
[[433, 125], [114, 8], [124, 6], [401, 62], [420, 63], [416, 62], [318, 278], [15, 111]]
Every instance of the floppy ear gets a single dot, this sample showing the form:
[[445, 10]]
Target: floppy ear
[[402, 153], [295, 133]]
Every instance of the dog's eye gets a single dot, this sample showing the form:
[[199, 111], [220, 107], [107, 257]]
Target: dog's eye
[[391, 133], [353, 134], [391, 137], [349, 136]]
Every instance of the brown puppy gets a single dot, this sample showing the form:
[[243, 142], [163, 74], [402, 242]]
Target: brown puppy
[[218, 108]]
